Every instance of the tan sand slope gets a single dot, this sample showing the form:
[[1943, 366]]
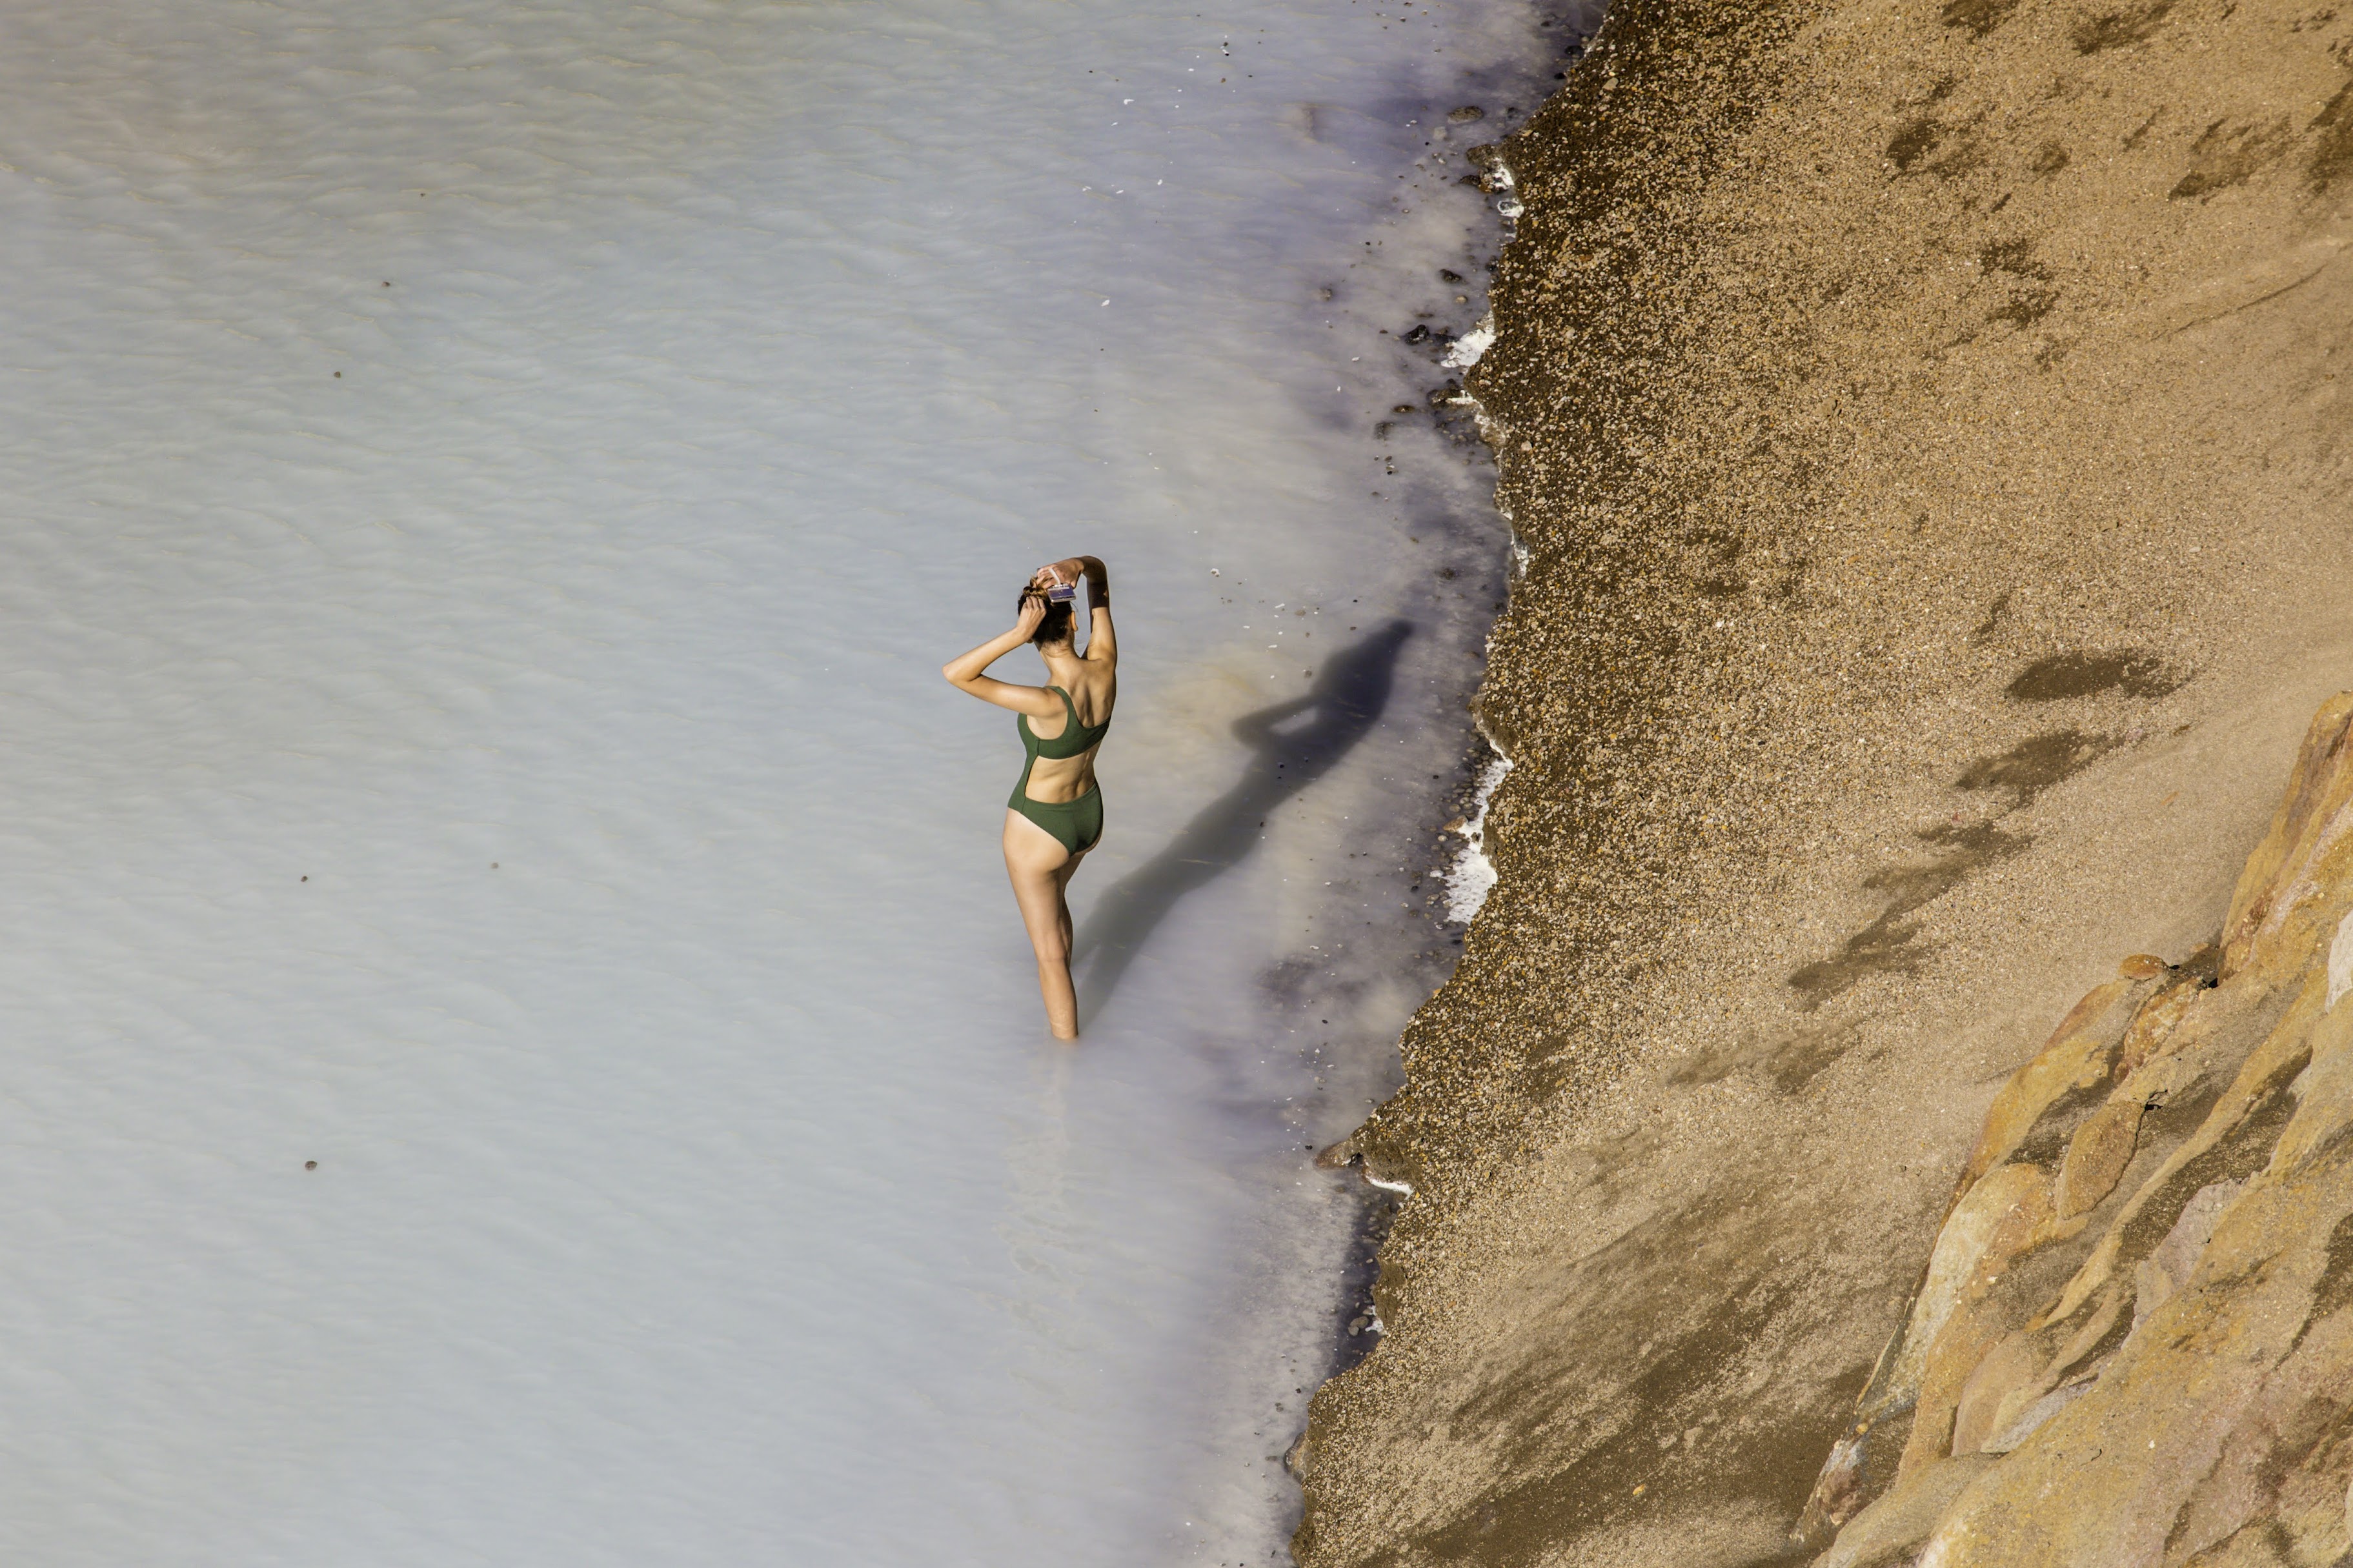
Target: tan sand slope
[[2130, 1344], [1923, 423]]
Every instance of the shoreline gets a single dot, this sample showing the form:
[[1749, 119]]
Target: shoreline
[[1430, 928], [1924, 460], [1355, 956]]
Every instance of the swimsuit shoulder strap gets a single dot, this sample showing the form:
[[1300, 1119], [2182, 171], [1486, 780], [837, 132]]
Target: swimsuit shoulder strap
[[1031, 739]]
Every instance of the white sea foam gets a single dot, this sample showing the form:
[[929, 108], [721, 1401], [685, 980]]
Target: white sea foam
[[511, 772], [1472, 876], [1472, 345]]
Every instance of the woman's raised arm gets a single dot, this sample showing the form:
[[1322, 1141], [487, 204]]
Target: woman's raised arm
[[969, 672], [1102, 642]]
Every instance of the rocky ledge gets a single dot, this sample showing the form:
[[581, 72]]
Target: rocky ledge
[[2130, 1343]]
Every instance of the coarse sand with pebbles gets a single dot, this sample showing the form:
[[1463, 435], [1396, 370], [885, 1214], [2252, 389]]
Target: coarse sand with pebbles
[[1925, 428]]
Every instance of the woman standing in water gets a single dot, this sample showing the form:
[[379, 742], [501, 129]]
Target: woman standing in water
[[1056, 814]]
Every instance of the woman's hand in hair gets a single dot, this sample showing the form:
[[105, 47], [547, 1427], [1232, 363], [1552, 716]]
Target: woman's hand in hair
[[1033, 611]]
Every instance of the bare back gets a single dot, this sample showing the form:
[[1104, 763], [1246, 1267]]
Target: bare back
[[1092, 690]]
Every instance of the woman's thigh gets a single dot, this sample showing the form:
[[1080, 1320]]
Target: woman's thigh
[[1039, 865]]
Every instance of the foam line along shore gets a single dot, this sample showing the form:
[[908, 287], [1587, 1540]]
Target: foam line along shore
[[1922, 427]]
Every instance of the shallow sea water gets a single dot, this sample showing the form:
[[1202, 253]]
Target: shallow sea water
[[490, 489]]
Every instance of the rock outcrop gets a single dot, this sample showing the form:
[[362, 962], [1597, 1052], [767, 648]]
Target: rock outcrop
[[2130, 1344]]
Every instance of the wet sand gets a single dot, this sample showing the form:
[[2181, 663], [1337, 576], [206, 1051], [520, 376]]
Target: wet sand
[[1924, 427]]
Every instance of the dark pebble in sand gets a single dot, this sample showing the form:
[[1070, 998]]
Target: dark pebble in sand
[[309, 1164], [1466, 114], [1445, 276], [1418, 334]]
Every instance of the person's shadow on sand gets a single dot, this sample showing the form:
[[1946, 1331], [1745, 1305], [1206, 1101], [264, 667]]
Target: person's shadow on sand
[[1338, 711]]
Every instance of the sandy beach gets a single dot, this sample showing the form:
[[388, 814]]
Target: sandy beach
[[1923, 429]]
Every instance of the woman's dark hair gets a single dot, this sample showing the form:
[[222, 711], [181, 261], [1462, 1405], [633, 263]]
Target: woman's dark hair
[[1058, 625]]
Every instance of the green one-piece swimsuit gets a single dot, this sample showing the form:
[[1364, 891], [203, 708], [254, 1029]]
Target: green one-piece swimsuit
[[1075, 824]]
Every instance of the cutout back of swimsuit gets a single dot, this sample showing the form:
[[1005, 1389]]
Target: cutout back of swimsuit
[[1075, 737]]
